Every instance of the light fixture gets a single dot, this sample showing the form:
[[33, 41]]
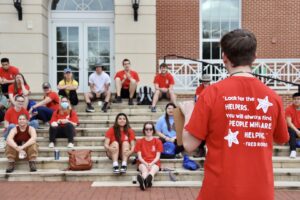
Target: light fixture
[[18, 6], [135, 6]]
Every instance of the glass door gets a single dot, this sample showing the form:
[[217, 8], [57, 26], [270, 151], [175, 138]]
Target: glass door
[[67, 52], [98, 47]]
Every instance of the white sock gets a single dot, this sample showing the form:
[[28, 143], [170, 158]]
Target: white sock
[[124, 163], [115, 163]]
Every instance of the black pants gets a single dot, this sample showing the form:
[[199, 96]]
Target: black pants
[[66, 131], [2, 114], [4, 88], [293, 138], [72, 96], [178, 149]]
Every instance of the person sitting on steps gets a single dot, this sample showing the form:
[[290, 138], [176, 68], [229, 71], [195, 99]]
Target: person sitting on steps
[[21, 143], [119, 142]]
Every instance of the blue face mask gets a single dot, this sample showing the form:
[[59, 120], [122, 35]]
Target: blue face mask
[[64, 105]]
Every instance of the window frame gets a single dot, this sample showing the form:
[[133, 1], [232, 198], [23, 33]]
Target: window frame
[[202, 40]]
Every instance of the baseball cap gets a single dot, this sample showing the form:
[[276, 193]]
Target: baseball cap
[[68, 69], [205, 78], [46, 85]]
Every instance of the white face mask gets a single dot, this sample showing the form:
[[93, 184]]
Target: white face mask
[[64, 105]]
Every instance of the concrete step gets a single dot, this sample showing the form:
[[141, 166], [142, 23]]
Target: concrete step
[[98, 163], [286, 175], [111, 116], [105, 163], [277, 184]]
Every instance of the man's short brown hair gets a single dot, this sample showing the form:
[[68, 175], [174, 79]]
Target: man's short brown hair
[[239, 46], [125, 60]]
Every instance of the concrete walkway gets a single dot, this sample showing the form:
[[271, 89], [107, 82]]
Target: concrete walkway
[[84, 191]]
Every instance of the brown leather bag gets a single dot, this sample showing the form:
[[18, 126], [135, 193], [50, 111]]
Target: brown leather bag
[[80, 160]]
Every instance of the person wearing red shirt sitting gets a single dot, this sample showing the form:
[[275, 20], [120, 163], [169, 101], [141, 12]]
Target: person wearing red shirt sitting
[[63, 123], [239, 118], [19, 87], [119, 142], [12, 114], [292, 113], [163, 83], [7, 75], [126, 83], [205, 82], [47, 106], [21, 143], [148, 150]]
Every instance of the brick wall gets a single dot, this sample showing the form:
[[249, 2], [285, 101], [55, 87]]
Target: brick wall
[[275, 20], [177, 28]]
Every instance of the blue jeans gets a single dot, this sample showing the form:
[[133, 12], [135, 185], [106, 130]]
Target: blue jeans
[[43, 113], [32, 123]]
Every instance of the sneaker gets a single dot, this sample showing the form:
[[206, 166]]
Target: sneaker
[[2, 143], [130, 101], [90, 108], [118, 100], [153, 109], [116, 170], [32, 166], [11, 167], [141, 181], [123, 169], [51, 145], [104, 107], [148, 181], [70, 145], [293, 154]]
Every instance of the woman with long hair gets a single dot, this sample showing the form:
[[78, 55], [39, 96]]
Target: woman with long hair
[[165, 129], [119, 142], [62, 123], [148, 150], [19, 87], [21, 142]]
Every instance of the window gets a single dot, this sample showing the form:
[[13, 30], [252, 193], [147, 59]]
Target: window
[[82, 5], [218, 17]]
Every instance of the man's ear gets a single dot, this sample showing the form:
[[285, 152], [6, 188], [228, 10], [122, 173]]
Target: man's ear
[[225, 59]]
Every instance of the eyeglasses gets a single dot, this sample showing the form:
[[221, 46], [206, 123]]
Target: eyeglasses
[[148, 129]]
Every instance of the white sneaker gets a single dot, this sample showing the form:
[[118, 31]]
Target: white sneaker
[[2, 143], [51, 145], [70, 145], [293, 154]]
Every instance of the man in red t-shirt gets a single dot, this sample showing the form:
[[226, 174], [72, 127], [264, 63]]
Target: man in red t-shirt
[[239, 118], [292, 113], [126, 83], [13, 113], [163, 83], [7, 74], [205, 82], [48, 105]]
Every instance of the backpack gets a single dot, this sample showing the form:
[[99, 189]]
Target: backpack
[[145, 95], [189, 164], [169, 150], [80, 160]]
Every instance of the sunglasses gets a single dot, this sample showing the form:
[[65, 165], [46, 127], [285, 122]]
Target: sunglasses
[[45, 88], [148, 129]]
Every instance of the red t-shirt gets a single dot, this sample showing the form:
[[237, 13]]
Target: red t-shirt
[[111, 135], [239, 118], [126, 83], [72, 116], [292, 112], [10, 73], [149, 149], [199, 89], [11, 89], [54, 104], [11, 115], [164, 81]]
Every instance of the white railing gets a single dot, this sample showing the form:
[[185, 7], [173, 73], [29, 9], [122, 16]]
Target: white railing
[[187, 73]]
